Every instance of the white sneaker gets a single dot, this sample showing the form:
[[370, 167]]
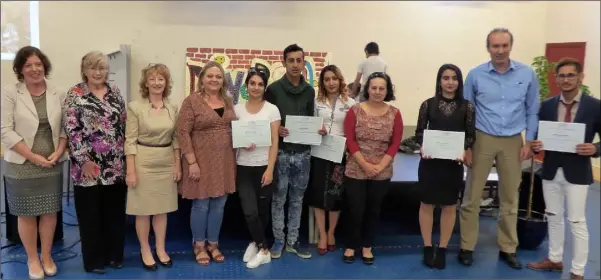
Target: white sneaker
[[251, 252], [259, 259]]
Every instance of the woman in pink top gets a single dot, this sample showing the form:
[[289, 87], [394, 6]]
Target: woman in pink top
[[373, 131]]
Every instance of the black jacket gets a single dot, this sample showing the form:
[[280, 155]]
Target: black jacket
[[577, 169]]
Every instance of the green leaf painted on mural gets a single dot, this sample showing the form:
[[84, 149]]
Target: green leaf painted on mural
[[243, 92]]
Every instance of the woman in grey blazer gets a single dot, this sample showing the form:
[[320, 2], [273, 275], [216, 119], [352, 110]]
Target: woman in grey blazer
[[35, 142]]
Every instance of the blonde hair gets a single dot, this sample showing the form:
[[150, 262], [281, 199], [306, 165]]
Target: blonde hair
[[91, 60], [223, 92], [158, 69], [322, 92]]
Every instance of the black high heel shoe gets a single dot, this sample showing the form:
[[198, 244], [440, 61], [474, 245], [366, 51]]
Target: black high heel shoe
[[440, 260], [168, 263], [348, 259], [368, 260], [152, 267], [428, 256]]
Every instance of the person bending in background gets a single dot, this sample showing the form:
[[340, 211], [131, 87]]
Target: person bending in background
[[254, 174], [204, 131], [441, 180], [35, 140], [95, 116], [373, 63], [349, 91], [567, 176], [373, 130], [326, 179], [153, 161], [293, 96]]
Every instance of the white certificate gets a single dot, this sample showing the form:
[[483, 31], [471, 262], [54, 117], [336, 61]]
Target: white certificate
[[561, 136], [332, 148], [444, 144], [246, 133], [303, 130]]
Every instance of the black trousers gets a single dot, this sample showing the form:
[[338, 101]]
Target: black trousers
[[255, 200], [363, 202], [101, 216]]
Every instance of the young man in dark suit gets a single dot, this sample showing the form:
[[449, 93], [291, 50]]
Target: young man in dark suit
[[567, 176]]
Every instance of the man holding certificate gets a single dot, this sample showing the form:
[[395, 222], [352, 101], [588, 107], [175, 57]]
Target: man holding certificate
[[567, 174], [294, 97], [505, 95]]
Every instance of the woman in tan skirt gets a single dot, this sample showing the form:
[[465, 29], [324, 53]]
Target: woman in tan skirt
[[153, 161]]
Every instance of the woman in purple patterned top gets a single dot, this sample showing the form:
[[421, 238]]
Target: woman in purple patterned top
[[94, 119]]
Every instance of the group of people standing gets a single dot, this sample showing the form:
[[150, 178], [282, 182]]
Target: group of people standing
[[134, 159]]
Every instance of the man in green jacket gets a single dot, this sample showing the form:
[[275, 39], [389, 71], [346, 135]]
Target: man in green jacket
[[293, 96]]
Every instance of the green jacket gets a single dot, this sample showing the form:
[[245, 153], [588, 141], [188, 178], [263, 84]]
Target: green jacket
[[291, 100]]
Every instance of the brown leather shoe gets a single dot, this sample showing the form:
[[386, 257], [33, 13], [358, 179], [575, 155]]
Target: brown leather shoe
[[546, 265], [576, 277]]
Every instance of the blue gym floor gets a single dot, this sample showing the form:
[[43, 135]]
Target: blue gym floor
[[396, 257]]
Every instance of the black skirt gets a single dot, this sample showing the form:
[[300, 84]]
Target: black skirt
[[325, 184], [440, 181]]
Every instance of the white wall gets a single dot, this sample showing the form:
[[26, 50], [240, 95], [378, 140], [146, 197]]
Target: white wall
[[415, 37], [579, 22]]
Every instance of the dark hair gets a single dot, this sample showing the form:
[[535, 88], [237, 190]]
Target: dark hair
[[499, 30], [459, 91], [21, 58], [372, 48], [254, 71], [568, 61], [389, 86], [292, 48]]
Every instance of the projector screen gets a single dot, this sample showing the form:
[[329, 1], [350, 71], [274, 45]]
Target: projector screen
[[20, 26]]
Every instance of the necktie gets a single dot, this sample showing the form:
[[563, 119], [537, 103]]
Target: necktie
[[568, 116]]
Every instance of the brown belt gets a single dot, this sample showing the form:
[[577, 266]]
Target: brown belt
[[154, 145]]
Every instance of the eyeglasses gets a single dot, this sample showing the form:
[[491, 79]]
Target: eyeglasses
[[377, 75], [570, 76], [260, 71], [253, 70]]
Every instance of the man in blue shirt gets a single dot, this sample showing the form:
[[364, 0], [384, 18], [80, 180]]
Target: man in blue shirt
[[505, 94]]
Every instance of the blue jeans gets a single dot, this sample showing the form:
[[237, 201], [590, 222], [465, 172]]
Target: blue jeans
[[206, 218], [293, 174]]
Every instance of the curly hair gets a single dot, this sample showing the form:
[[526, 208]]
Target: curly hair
[[155, 69], [21, 59], [322, 92]]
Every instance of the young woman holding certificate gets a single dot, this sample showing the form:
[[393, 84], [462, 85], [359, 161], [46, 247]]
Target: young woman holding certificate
[[441, 179], [254, 174], [325, 181], [373, 131]]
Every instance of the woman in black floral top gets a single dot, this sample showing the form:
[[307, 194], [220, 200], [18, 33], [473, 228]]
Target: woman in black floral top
[[94, 119], [441, 180]]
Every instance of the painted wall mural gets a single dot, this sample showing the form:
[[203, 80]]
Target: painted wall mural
[[236, 63]]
